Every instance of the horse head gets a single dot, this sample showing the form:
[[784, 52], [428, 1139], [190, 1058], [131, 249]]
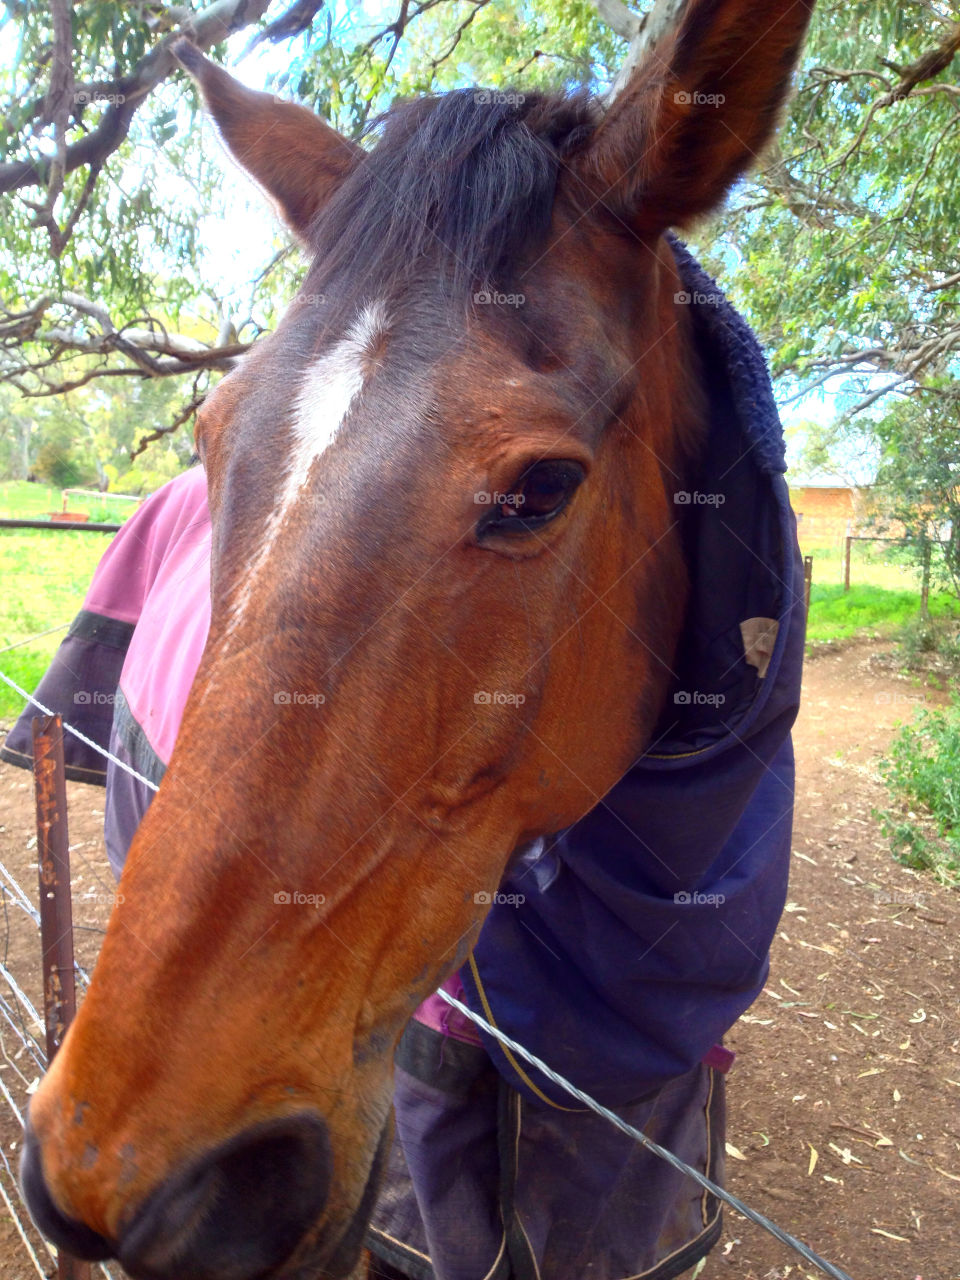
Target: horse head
[[447, 588]]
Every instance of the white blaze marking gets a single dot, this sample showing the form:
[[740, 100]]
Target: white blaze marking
[[327, 394], [329, 389]]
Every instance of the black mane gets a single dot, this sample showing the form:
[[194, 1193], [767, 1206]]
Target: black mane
[[459, 186]]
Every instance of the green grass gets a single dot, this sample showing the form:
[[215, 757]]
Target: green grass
[[839, 615], [20, 500], [47, 575], [921, 773], [884, 595]]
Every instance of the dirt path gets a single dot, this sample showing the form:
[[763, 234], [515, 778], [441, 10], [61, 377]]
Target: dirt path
[[853, 1051]]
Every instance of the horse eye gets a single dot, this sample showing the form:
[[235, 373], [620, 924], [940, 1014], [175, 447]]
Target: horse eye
[[548, 486], [541, 493]]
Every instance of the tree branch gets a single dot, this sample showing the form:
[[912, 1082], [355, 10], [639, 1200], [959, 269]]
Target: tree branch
[[619, 18], [458, 34], [907, 364], [189, 409], [147, 350], [57, 108], [944, 284], [925, 67], [205, 29], [651, 29], [293, 22]]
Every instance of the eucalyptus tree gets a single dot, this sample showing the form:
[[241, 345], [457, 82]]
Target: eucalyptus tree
[[843, 246]]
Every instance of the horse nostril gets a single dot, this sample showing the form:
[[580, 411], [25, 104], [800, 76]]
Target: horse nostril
[[66, 1233], [236, 1213]]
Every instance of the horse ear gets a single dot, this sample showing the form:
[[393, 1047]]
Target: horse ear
[[697, 110], [297, 159]]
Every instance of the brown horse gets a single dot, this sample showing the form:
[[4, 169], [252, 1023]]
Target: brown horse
[[448, 471]]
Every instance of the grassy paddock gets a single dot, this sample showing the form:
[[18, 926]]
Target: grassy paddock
[[884, 593], [20, 500], [45, 576], [872, 564], [866, 610]]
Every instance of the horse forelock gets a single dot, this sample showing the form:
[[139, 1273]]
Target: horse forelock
[[460, 186]]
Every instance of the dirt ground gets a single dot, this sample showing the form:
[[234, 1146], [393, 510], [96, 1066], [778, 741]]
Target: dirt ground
[[853, 1050], [844, 1102]]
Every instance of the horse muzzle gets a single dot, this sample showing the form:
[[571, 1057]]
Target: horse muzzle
[[239, 1212]]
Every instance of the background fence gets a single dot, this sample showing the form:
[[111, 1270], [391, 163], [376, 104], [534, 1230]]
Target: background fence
[[38, 941]]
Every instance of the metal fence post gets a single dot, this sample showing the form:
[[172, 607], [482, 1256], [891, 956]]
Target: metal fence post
[[807, 580], [56, 912]]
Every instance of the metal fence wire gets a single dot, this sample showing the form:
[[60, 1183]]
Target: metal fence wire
[[20, 1020], [24, 1059]]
